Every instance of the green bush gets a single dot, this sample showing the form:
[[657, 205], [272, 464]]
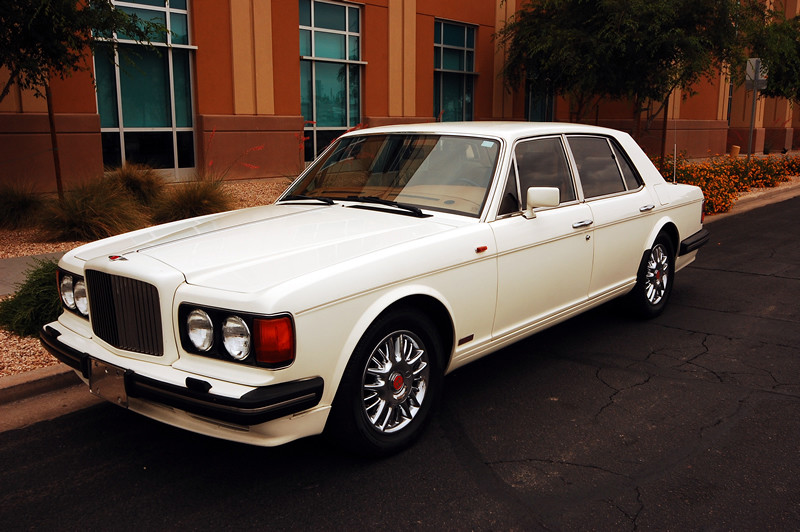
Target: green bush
[[201, 196], [19, 206], [95, 209], [146, 184], [36, 302]]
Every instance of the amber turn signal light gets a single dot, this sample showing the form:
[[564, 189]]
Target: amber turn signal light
[[274, 341]]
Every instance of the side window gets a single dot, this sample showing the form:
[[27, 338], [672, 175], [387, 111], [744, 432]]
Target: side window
[[597, 166], [543, 163], [632, 178]]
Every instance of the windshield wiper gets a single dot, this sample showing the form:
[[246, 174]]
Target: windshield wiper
[[416, 211], [323, 199]]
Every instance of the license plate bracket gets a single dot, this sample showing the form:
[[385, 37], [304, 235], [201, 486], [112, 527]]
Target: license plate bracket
[[108, 382]]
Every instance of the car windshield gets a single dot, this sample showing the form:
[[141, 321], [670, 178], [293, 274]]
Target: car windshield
[[437, 172]]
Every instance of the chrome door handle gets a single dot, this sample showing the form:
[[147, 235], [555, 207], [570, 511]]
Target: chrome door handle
[[647, 208], [582, 223]]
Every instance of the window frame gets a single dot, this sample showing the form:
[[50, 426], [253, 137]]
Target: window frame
[[439, 72], [311, 127], [612, 144], [167, 48]]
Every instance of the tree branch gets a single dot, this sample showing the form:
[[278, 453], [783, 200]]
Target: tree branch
[[11, 80]]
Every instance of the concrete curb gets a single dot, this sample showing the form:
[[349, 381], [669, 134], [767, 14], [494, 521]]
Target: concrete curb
[[37, 382]]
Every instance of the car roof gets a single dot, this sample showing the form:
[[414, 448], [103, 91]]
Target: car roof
[[507, 130]]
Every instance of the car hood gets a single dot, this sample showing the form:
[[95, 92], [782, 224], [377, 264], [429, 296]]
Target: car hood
[[255, 249]]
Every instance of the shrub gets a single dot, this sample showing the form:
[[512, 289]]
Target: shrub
[[36, 302], [145, 183], [95, 209], [20, 206], [205, 194]]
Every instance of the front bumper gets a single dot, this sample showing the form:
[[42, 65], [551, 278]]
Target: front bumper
[[257, 406]]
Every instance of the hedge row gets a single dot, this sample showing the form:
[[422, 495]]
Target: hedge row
[[723, 178]]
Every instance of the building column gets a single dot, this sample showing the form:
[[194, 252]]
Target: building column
[[402, 58], [502, 100]]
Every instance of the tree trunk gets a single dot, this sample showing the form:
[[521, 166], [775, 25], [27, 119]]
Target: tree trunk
[[7, 88], [54, 140]]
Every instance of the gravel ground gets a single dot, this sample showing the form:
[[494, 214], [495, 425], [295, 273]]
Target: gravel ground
[[17, 354]]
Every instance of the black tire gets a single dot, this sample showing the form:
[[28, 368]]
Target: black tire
[[654, 280], [382, 406]]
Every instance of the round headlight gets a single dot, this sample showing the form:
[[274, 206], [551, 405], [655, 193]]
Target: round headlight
[[200, 330], [81, 301], [236, 337], [67, 295]]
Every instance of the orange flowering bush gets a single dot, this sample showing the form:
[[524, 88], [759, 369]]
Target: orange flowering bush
[[723, 178]]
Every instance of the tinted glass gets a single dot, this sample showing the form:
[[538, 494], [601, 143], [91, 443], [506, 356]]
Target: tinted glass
[[179, 28], [330, 82], [106, 80], [145, 89], [183, 89], [453, 35], [355, 111], [632, 179], [329, 16], [147, 15], [306, 94], [305, 12], [352, 15], [597, 167], [543, 163], [152, 148], [329, 45]]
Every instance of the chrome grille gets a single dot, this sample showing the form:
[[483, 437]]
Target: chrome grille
[[125, 312]]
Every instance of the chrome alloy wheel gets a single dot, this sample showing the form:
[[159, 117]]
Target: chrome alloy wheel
[[657, 274], [395, 381]]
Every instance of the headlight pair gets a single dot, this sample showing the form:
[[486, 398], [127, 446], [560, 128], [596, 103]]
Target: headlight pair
[[72, 289], [235, 334], [266, 341]]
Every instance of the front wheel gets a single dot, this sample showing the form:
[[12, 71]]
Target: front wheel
[[390, 386], [654, 279]]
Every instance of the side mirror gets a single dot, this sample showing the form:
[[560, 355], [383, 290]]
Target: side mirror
[[541, 197]]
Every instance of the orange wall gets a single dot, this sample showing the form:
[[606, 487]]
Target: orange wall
[[375, 51], [425, 24], [703, 105], [285, 53], [213, 58]]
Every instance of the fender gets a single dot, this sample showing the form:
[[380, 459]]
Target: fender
[[657, 228]]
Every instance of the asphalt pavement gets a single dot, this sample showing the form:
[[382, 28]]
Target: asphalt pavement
[[690, 421]]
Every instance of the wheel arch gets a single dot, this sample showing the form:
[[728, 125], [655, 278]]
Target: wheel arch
[[666, 227]]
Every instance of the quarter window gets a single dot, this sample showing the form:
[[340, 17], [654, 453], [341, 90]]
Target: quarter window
[[330, 71], [145, 105], [454, 71]]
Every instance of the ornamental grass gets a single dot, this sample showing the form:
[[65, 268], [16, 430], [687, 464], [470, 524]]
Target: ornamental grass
[[35, 302], [723, 178]]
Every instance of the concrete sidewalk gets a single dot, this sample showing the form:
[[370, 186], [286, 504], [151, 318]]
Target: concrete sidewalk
[[32, 383]]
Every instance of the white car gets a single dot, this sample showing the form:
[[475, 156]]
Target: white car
[[399, 255]]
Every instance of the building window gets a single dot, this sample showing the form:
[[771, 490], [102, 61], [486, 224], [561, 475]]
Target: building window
[[330, 71], [144, 95], [454, 71]]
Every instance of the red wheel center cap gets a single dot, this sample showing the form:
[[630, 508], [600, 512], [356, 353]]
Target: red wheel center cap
[[397, 382], [658, 275]]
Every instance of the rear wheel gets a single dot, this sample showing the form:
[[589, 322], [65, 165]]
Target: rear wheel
[[654, 280], [390, 386]]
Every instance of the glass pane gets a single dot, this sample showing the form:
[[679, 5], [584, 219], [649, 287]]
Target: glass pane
[[177, 4], [596, 166], [543, 163], [153, 148], [112, 151], [308, 145], [147, 15], [470, 62], [306, 94], [355, 100], [329, 16], [331, 93], [329, 45], [185, 149], [470, 37], [183, 88], [305, 12], [452, 97], [179, 28], [632, 179], [437, 57], [106, 80], [160, 3], [305, 42], [453, 35], [469, 84], [145, 89], [437, 32], [352, 14], [437, 95], [452, 59], [353, 48], [324, 138]]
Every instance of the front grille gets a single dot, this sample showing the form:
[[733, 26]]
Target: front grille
[[125, 312]]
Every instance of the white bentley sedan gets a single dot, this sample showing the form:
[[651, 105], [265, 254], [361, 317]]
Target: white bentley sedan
[[400, 254]]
